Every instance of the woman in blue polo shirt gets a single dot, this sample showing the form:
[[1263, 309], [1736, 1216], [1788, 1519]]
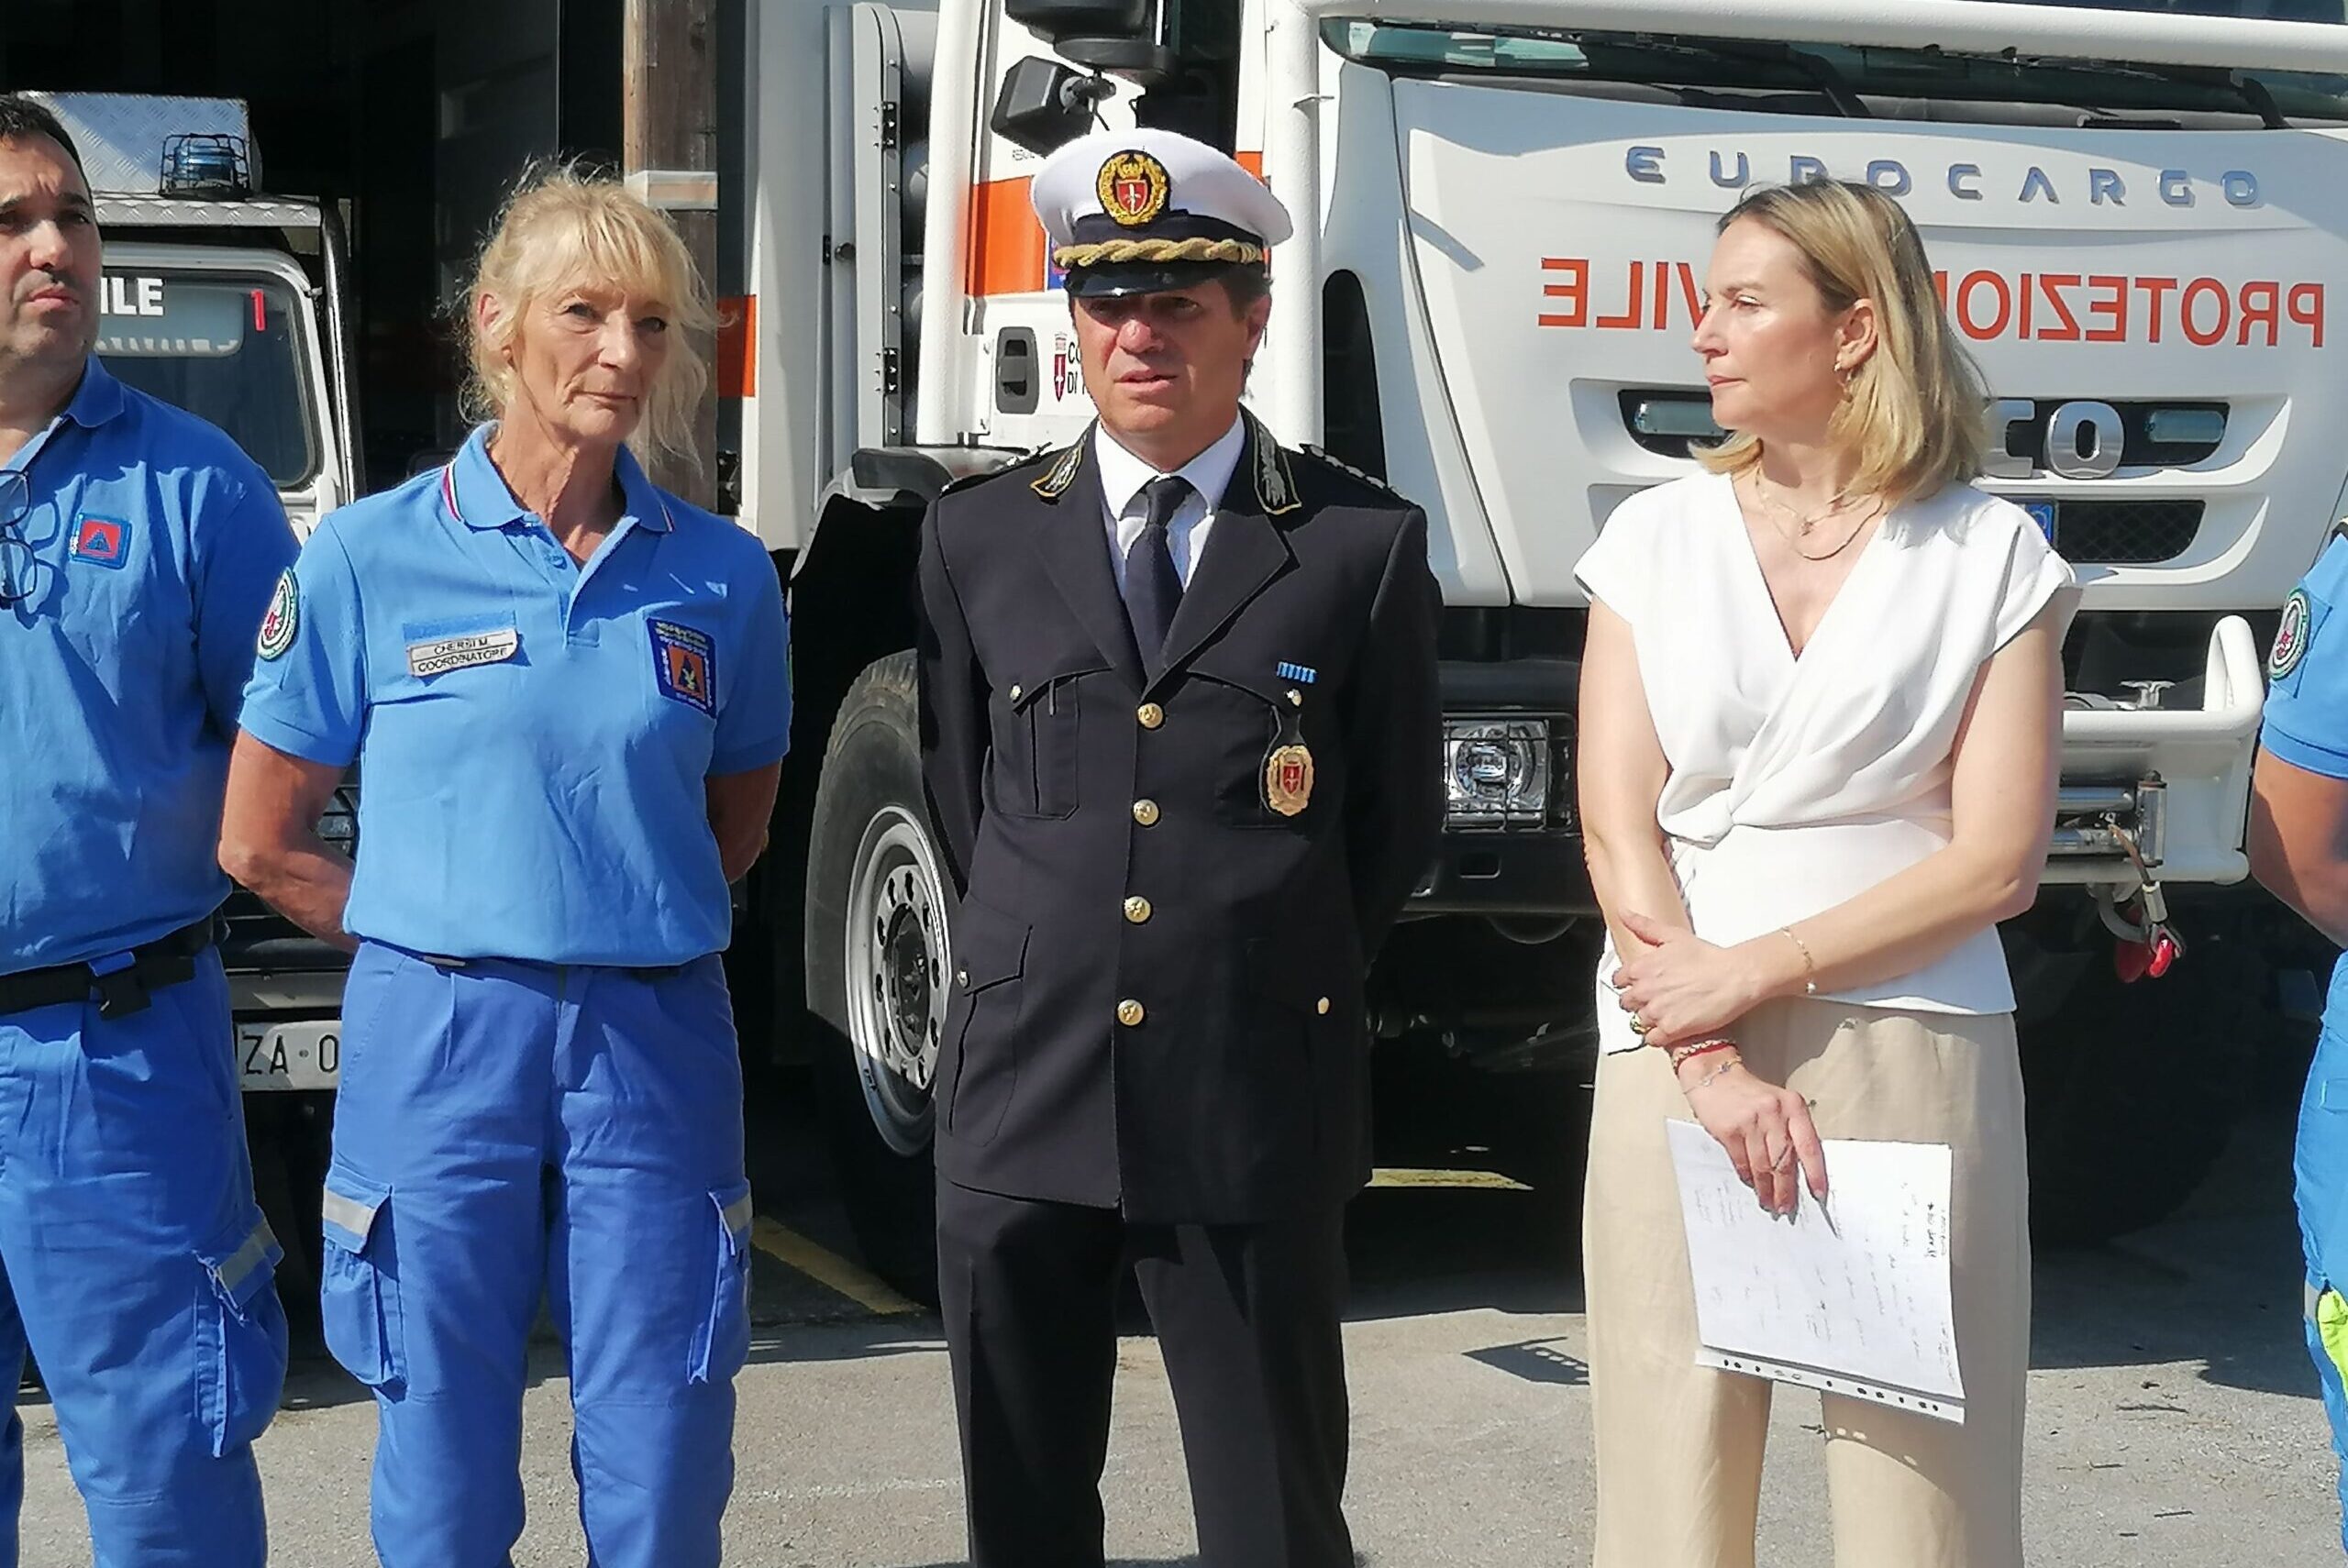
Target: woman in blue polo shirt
[[566, 692]]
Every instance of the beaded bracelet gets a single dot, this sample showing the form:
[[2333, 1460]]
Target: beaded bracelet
[[1681, 1054]]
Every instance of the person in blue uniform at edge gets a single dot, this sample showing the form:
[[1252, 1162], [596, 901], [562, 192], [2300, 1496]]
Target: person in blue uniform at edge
[[567, 694], [137, 545], [2298, 849]]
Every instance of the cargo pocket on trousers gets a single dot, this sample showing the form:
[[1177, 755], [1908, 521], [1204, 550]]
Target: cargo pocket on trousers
[[359, 1287], [241, 1336], [723, 1342]]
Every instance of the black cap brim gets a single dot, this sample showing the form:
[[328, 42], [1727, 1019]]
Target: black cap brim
[[1125, 279]]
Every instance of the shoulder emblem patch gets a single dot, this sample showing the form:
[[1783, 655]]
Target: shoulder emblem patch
[[2290, 637], [283, 617]]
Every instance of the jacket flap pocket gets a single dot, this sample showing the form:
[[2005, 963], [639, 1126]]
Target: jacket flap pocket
[[989, 946], [350, 1207], [1037, 681]]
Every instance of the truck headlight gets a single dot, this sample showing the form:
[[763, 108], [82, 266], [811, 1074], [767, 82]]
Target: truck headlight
[[1495, 772]]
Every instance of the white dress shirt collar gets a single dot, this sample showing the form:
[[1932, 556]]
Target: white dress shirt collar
[[1123, 474]]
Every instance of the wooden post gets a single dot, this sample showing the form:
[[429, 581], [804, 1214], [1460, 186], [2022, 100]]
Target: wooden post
[[669, 108]]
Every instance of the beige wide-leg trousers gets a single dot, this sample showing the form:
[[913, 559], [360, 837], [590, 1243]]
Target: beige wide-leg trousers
[[1679, 1446]]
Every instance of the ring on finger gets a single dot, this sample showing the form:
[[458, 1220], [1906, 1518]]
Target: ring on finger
[[1639, 1025]]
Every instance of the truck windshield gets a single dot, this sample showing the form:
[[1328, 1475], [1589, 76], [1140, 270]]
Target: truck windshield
[[1854, 81], [222, 346]]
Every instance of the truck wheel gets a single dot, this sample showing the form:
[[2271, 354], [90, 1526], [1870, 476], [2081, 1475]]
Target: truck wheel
[[2130, 1090], [877, 955]]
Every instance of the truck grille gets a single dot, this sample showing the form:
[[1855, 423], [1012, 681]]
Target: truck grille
[[2125, 533]]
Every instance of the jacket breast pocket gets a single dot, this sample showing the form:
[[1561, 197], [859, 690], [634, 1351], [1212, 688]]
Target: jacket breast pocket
[[1257, 741], [990, 954], [1039, 739]]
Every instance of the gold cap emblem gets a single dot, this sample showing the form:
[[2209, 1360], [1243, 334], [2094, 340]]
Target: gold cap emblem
[[1133, 188]]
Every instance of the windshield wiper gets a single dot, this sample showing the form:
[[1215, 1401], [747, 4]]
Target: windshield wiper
[[2246, 89], [1831, 84]]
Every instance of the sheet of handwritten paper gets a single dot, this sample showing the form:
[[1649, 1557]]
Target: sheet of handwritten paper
[[1851, 1296]]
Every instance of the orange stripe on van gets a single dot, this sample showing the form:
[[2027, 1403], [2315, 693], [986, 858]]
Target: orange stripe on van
[[737, 372], [1006, 244]]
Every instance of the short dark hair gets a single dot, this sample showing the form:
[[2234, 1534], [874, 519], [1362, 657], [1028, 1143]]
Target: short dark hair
[[1245, 285], [21, 117]]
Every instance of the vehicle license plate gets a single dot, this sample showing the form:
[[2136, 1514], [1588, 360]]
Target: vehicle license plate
[[304, 1055]]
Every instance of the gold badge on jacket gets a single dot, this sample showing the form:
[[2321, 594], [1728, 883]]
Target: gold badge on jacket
[[1287, 779]]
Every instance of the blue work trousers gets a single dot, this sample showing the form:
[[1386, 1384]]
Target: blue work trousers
[[135, 1264], [506, 1129], [2319, 1164]]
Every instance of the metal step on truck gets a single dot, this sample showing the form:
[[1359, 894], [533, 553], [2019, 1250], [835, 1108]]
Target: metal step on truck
[[1505, 208], [232, 303]]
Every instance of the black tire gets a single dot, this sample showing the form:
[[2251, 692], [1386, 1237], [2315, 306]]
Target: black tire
[[870, 822], [2132, 1090]]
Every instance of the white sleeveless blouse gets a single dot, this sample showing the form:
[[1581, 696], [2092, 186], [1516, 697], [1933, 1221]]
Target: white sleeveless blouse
[[1797, 783]]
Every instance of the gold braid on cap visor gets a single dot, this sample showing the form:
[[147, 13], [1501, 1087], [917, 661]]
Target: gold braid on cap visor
[[1116, 252]]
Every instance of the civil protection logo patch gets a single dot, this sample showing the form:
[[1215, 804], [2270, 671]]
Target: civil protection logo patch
[[102, 541], [2290, 637], [684, 661], [285, 615]]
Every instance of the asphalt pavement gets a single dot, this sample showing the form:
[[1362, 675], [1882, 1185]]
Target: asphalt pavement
[[2173, 1419]]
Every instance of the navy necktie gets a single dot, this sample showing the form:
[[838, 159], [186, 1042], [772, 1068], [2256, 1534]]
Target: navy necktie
[[1153, 589]]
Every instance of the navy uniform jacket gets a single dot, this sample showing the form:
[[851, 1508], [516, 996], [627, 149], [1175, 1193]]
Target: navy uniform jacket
[[1157, 998]]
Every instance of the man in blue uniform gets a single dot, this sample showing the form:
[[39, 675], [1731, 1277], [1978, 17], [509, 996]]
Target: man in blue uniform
[[2299, 825], [567, 692], [137, 550]]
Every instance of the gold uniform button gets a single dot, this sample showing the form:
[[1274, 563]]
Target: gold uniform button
[[1295, 697], [1137, 909], [1320, 1006], [1150, 714], [1014, 692], [1129, 1014], [962, 979], [1145, 812]]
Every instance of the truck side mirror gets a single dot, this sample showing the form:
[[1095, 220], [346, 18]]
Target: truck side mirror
[[1119, 36], [1044, 104]]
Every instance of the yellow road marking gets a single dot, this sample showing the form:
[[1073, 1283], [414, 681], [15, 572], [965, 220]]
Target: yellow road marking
[[1490, 1180], [826, 1268]]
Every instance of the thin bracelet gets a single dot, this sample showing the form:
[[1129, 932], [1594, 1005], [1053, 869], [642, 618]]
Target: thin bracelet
[[1808, 964], [1705, 1082], [1682, 1055]]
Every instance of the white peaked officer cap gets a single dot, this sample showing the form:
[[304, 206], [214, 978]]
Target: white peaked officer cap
[[1137, 212]]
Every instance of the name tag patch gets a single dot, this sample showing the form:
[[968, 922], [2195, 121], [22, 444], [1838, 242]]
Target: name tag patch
[[102, 541], [441, 654], [685, 662]]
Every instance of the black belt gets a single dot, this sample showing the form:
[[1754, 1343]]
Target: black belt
[[166, 961]]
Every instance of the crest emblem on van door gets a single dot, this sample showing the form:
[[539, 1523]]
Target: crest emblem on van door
[[1133, 188]]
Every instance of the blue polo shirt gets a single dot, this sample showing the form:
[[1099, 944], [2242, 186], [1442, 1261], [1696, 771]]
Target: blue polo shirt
[[154, 543], [534, 736], [2306, 721]]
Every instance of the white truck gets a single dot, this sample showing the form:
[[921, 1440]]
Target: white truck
[[1504, 211], [234, 305]]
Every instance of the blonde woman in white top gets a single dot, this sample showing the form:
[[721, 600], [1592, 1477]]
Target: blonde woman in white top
[[1820, 732]]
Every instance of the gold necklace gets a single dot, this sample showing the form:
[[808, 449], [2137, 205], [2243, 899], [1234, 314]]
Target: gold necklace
[[1805, 524]]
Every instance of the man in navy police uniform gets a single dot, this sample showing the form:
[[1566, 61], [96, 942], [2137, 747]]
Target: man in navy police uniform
[[138, 550], [1181, 739]]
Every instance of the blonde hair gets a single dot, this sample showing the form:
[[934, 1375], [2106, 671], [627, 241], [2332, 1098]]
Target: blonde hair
[[561, 229], [1913, 409]]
